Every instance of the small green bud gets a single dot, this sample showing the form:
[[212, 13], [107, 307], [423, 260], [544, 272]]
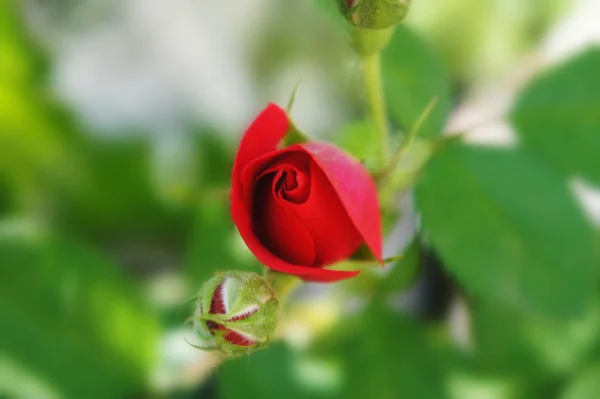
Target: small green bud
[[236, 313], [374, 14]]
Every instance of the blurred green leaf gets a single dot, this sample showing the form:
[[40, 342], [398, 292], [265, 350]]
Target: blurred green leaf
[[215, 161], [35, 135], [359, 139], [267, 374], [532, 346], [585, 385], [413, 76], [558, 115], [384, 355], [379, 354], [213, 243], [209, 245], [115, 193], [509, 228], [71, 319], [404, 271]]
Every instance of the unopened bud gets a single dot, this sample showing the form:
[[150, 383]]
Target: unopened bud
[[235, 312], [374, 14]]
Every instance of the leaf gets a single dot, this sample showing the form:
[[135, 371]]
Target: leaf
[[267, 374], [585, 385], [378, 354], [209, 246], [72, 320], [384, 355], [558, 115], [359, 139], [532, 346], [509, 228], [116, 194], [294, 136], [413, 75], [404, 271], [35, 135]]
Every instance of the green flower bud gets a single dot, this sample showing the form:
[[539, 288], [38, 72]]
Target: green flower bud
[[236, 313], [374, 14]]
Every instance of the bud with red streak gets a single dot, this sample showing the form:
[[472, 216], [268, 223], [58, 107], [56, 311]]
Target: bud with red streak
[[236, 313]]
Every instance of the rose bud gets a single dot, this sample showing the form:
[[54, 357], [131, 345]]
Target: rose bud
[[374, 14], [235, 312], [301, 207]]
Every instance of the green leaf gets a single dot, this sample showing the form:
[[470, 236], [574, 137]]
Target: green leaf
[[585, 385], [378, 354], [294, 136], [558, 115], [117, 194], [268, 374], [384, 355], [509, 228], [209, 246], [533, 346], [404, 271], [413, 76], [359, 139], [72, 320], [35, 135]]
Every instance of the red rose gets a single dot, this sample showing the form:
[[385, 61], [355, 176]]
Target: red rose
[[301, 207]]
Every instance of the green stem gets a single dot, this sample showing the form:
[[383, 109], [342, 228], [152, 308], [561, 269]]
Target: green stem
[[376, 101]]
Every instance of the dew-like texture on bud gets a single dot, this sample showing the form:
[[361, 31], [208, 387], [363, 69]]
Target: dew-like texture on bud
[[235, 312], [374, 14]]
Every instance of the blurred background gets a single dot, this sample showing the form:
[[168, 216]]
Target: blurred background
[[118, 125]]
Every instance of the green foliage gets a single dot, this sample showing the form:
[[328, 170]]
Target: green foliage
[[212, 242], [268, 374], [34, 135], [71, 318], [115, 193], [385, 355], [532, 346], [377, 354], [558, 115], [359, 139], [404, 271], [414, 76], [586, 385], [509, 228]]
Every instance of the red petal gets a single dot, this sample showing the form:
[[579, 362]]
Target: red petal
[[217, 304], [241, 204], [355, 189], [238, 339], [262, 137], [278, 229], [323, 215], [245, 314], [327, 275]]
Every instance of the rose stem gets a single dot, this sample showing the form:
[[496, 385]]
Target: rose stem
[[376, 102]]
